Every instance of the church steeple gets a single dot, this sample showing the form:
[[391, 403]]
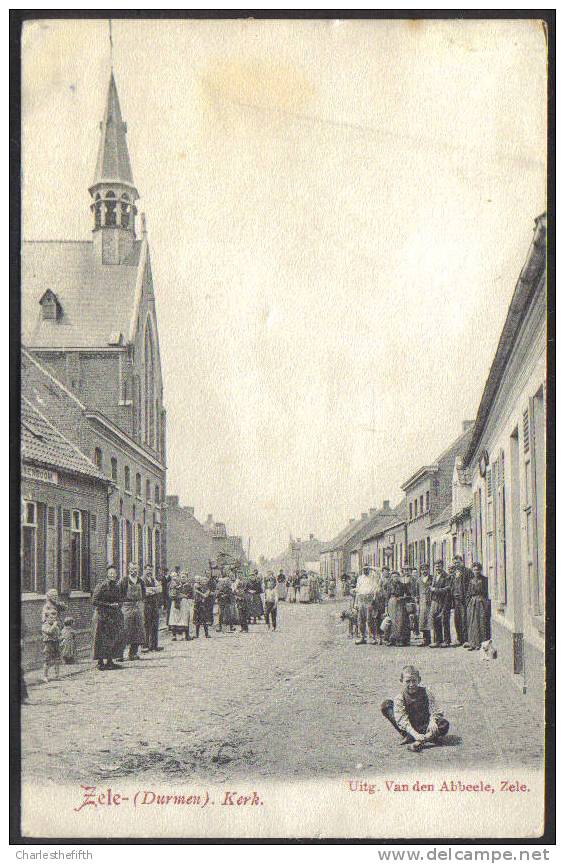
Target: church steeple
[[113, 191]]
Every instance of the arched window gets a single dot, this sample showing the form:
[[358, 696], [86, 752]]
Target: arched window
[[110, 209], [124, 211], [98, 457], [149, 386]]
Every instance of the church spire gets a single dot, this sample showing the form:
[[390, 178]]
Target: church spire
[[113, 158], [113, 191]]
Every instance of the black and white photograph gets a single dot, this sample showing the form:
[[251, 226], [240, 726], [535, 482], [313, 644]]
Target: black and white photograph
[[283, 433]]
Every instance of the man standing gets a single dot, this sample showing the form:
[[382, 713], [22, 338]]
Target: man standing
[[152, 606], [439, 591], [132, 593], [460, 597], [365, 597], [424, 604], [240, 595], [224, 597]]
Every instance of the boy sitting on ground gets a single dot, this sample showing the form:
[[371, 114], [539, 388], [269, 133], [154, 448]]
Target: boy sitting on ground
[[414, 713]]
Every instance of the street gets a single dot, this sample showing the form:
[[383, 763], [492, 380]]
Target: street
[[304, 701]]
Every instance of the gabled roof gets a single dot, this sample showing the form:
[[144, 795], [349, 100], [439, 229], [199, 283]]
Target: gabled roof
[[387, 520], [529, 281], [97, 300], [113, 158], [43, 444], [344, 535]]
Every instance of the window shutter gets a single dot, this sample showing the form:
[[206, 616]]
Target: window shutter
[[489, 482], [66, 553], [85, 556], [51, 549], [41, 517], [526, 430]]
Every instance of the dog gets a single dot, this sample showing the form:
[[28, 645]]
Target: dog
[[488, 651], [350, 615]]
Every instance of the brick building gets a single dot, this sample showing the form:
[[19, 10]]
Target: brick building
[[384, 543], [64, 523], [91, 357]]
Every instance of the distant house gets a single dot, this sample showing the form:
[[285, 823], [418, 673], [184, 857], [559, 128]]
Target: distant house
[[384, 542], [428, 504], [192, 545], [505, 462]]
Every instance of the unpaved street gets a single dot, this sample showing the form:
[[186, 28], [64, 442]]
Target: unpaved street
[[303, 701]]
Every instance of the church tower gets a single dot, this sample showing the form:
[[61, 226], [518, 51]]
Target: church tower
[[113, 191]]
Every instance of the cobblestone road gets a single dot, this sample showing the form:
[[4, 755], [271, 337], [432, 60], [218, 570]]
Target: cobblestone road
[[303, 701]]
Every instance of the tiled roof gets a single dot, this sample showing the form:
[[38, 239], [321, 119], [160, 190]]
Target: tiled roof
[[97, 299], [531, 278], [43, 444], [344, 535], [444, 516], [384, 521], [113, 157]]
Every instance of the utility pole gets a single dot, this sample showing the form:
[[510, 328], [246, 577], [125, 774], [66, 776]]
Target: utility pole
[[373, 431]]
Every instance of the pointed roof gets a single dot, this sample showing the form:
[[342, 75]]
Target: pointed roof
[[113, 158]]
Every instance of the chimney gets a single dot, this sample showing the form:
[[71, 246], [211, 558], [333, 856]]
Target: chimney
[[311, 536], [172, 501], [467, 425], [386, 504], [372, 511]]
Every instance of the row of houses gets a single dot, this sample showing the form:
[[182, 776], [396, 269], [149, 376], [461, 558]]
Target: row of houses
[[192, 545], [484, 496], [300, 554]]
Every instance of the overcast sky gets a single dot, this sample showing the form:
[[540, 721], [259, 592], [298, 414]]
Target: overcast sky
[[337, 213]]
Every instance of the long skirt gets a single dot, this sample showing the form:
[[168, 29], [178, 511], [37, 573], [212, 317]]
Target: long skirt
[[179, 617], [477, 621], [424, 617], [291, 595], [254, 605], [201, 613], [134, 623], [400, 622], [108, 626], [304, 595], [281, 590]]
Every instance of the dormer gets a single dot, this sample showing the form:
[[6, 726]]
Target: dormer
[[51, 309]]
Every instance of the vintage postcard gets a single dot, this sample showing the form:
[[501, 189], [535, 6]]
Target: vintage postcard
[[283, 428]]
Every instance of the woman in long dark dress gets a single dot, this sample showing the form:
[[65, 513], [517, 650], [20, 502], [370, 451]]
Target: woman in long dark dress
[[400, 621], [477, 610], [108, 621]]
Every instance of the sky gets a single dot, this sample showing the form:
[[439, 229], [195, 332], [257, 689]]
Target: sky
[[337, 213]]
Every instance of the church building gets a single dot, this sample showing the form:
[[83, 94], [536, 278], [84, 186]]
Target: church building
[[90, 357]]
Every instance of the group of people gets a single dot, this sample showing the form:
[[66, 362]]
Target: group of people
[[392, 607], [302, 587]]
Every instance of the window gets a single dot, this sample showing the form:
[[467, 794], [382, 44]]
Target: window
[[76, 549], [157, 494], [124, 211], [415, 508], [427, 501], [410, 510], [421, 503], [114, 468], [139, 542], [98, 457], [500, 521], [29, 546], [534, 499], [149, 386], [138, 485], [127, 478], [148, 490], [116, 543], [110, 209]]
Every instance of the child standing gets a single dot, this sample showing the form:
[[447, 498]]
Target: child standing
[[51, 634], [68, 641], [52, 604], [271, 604]]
